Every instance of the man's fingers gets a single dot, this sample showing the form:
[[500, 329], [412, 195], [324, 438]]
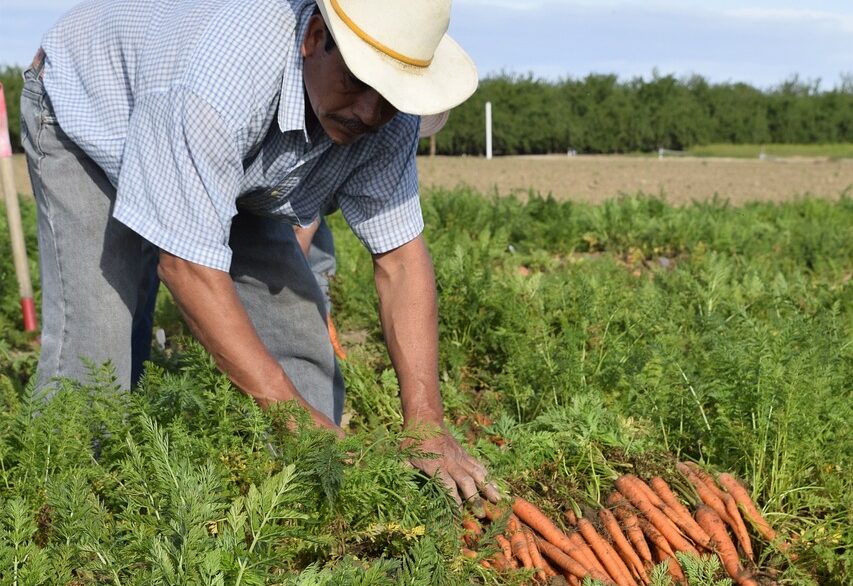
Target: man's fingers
[[448, 481], [491, 491], [476, 470], [468, 488]]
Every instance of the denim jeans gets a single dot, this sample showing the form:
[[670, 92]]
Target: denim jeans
[[96, 274], [321, 259]]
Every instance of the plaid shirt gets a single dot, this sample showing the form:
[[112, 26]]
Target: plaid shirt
[[195, 109]]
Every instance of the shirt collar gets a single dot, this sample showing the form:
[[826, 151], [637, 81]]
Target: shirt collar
[[291, 107]]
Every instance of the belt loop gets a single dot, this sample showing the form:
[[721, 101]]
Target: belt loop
[[38, 64]]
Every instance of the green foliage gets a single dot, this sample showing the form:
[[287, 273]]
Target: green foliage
[[636, 333], [601, 114], [703, 570], [715, 333], [12, 79]]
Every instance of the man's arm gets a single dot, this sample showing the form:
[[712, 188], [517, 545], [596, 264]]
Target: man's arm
[[408, 308], [210, 304]]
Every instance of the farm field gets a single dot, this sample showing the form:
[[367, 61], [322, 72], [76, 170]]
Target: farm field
[[595, 178], [580, 342], [599, 177]]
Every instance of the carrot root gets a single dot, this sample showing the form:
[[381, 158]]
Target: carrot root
[[710, 521]]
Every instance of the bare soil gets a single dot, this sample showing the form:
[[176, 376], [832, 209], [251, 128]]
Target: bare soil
[[596, 178], [679, 180]]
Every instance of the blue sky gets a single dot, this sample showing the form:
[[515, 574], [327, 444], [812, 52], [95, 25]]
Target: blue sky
[[761, 42]]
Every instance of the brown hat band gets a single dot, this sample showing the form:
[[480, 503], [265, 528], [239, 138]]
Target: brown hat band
[[373, 42]]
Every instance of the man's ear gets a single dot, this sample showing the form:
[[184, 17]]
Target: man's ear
[[315, 36]]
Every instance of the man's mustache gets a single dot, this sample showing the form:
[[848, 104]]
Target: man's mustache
[[353, 125]]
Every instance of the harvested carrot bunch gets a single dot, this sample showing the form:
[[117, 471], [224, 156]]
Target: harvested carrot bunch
[[642, 524]]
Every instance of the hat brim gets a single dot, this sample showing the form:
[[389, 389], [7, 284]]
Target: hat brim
[[449, 80], [432, 123]]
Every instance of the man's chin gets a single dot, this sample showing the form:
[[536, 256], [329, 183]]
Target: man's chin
[[343, 140]]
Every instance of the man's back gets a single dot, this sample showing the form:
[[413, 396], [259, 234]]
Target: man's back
[[105, 56]]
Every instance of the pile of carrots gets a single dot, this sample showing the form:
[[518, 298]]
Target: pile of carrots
[[642, 525]]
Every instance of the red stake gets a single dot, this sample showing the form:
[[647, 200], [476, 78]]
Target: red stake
[[13, 213]]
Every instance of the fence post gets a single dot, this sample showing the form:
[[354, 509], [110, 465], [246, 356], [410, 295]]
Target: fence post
[[13, 213], [488, 130]]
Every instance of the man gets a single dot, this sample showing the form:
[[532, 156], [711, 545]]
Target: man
[[204, 128]]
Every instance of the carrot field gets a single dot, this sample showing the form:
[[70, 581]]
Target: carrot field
[[580, 344]]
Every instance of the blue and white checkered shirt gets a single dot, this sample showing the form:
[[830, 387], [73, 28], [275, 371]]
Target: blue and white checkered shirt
[[195, 109]]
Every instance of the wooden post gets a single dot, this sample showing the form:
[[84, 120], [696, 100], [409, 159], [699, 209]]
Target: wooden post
[[432, 146], [13, 213]]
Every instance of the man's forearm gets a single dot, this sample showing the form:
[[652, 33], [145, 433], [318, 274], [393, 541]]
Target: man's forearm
[[408, 308], [210, 304]]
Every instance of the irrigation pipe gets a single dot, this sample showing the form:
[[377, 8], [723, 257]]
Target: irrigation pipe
[[13, 213]]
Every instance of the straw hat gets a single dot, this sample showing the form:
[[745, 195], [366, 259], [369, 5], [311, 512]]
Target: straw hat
[[401, 49]]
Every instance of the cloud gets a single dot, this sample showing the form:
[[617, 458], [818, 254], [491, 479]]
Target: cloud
[[572, 39]]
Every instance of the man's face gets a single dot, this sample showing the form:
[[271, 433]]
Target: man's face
[[346, 108]]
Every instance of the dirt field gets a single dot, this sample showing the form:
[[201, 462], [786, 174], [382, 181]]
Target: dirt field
[[680, 180], [594, 178]]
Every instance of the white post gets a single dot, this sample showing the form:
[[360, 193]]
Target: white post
[[488, 130]]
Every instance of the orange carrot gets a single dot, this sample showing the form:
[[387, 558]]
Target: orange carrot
[[703, 476], [636, 485], [729, 513], [747, 505], [631, 524], [498, 562], [506, 548], [605, 554], [550, 572], [570, 516], [584, 553], [469, 554], [675, 571], [705, 492], [710, 483], [333, 338], [615, 499], [472, 532], [539, 522], [569, 564], [654, 536], [632, 489], [678, 513], [673, 568], [519, 549], [536, 556], [573, 580], [713, 526], [622, 545], [739, 526]]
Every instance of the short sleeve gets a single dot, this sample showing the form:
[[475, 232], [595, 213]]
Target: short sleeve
[[180, 177], [380, 200]]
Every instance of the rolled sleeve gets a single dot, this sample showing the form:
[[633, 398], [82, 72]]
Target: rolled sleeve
[[380, 201], [180, 177]]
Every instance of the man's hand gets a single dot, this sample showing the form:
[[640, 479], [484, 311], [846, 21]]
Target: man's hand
[[464, 477]]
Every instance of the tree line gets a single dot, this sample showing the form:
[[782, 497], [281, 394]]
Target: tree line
[[602, 114]]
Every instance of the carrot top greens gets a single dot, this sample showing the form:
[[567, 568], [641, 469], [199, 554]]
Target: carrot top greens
[[638, 334]]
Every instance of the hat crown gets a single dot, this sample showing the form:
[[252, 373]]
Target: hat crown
[[409, 30]]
